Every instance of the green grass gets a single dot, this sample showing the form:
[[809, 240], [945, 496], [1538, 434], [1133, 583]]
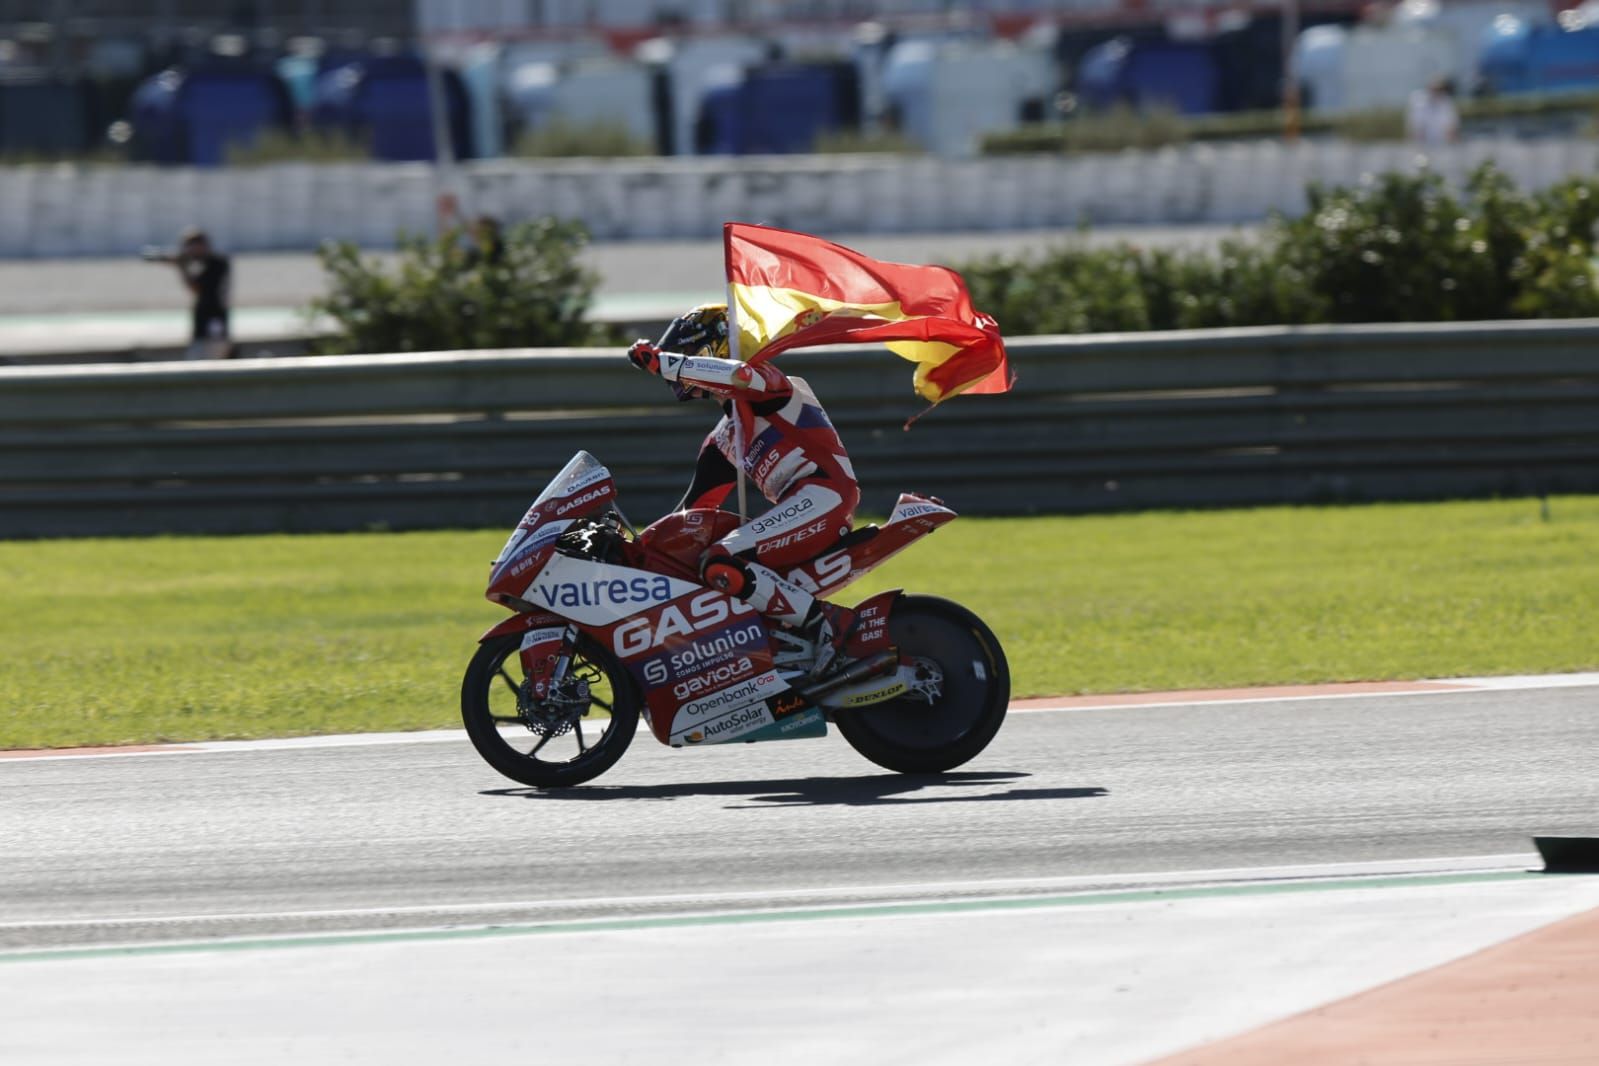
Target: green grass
[[119, 641]]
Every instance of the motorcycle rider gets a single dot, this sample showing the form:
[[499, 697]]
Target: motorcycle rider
[[774, 427]]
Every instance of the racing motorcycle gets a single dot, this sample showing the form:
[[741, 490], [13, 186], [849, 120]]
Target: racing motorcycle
[[611, 623]]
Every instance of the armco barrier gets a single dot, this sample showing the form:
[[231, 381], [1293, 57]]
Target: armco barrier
[[1096, 423]]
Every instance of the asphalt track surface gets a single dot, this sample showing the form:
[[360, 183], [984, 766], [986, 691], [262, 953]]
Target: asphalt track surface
[[105, 850], [689, 270]]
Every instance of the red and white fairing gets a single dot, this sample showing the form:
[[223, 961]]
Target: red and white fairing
[[703, 661], [913, 517]]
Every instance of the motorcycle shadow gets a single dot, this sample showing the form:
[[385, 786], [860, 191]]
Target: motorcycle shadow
[[819, 791]]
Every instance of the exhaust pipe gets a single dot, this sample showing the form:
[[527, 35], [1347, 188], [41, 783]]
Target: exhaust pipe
[[879, 664]]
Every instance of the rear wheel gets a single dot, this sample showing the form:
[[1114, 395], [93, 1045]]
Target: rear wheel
[[573, 736], [911, 734]]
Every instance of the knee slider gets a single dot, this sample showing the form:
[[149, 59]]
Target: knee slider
[[728, 574]]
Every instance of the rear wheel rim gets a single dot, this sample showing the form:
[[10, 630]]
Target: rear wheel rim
[[969, 673]]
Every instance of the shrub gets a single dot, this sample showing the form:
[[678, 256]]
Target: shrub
[[1396, 251], [1122, 128], [302, 146], [596, 140], [1553, 276], [1070, 290], [855, 142], [1235, 286], [1106, 131], [446, 295], [1403, 248]]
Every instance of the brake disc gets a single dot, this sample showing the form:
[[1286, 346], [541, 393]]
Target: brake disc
[[556, 713]]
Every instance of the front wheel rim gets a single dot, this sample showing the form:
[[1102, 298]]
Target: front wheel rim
[[506, 718]]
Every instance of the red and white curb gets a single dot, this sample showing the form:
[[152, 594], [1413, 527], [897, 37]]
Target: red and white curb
[[1532, 998]]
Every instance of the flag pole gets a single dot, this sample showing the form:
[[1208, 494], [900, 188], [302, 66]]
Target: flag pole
[[738, 446], [738, 425]]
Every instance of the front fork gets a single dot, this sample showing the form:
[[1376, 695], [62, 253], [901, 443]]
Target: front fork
[[544, 703], [563, 661], [545, 666]]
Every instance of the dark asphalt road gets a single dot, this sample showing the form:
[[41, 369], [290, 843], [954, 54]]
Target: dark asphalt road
[[261, 839]]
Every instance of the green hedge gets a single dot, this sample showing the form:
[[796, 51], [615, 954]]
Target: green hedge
[[1120, 129], [1124, 128], [300, 146], [589, 140], [1405, 248]]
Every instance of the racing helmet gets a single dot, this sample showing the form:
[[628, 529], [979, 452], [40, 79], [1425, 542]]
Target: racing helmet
[[701, 331]]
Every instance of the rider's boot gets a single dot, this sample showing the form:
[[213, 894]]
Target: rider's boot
[[784, 602], [829, 626]]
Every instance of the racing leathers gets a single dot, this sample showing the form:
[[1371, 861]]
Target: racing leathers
[[774, 427]]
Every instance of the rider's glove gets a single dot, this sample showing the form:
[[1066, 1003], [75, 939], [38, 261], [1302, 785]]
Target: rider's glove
[[645, 356]]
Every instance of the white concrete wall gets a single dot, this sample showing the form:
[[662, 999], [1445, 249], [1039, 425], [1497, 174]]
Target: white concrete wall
[[64, 211]]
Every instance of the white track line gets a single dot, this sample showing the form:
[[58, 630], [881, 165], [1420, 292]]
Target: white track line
[[440, 736], [1458, 686], [1000, 889], [1531, 681]]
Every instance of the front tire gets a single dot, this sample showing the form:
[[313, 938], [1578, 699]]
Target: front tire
[[910, 735], [532, 751]]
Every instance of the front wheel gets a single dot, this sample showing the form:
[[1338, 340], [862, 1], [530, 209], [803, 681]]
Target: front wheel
[[573, 736], [915, 736]]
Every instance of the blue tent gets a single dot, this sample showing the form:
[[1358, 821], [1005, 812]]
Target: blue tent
[[300, 71], [1142, 74], [1521, 58], [384, 99], [192, 116], [40, 114], [779, 108]]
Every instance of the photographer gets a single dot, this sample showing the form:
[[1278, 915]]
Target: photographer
[[206, 273]]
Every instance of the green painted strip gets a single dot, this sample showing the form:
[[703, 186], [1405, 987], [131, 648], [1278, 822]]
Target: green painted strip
[[803, 914]]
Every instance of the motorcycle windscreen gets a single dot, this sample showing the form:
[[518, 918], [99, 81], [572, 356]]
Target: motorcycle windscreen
[[581, 471]]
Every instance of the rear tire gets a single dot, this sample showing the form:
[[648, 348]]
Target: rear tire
[[490, 710], [908, 734]]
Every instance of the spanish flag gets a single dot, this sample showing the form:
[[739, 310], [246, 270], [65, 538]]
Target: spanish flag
[[791, 290]]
